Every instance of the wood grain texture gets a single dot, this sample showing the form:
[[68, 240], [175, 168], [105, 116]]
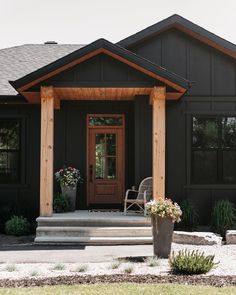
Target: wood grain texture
[[158, 97], [46, 158]]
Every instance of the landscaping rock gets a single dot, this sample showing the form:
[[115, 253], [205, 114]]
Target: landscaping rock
[[231, 237], [197, 238]]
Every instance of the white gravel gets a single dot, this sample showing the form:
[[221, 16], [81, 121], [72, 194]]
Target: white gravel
[[225, 255]]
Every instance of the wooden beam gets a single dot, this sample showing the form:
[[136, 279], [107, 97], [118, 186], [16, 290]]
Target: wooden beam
[[158, 99], [46, 159]]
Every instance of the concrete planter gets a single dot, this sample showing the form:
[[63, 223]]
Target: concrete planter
[[70, 192], [162, 231]]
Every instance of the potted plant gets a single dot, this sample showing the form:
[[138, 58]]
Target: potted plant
[[68, 177], [164, 213]]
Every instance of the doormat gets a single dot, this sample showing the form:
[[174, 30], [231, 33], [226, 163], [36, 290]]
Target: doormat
[[104, 210]]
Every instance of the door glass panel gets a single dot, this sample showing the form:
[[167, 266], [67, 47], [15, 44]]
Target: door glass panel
[[105, 121], [111, 168], [111, 144], [100, 167], [100, 144]]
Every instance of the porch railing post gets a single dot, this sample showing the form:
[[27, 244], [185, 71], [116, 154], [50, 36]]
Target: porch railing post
[[158, 100], [46, 154]]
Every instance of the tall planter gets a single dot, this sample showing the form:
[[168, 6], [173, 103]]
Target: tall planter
[[70, 192], [162, 231]]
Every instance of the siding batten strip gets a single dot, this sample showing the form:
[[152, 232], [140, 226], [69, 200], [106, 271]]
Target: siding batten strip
[[158, 100], [46, 158]]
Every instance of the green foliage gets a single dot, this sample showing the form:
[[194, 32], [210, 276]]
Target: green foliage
[[152, 261], [59, 266], [190, 218], [60, 203], [190, 262], [223, 217], [17, 226], [81, 268], [10, 268], [129, 269]]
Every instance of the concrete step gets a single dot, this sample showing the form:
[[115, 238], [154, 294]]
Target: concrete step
[[85, 222], [75, 231], [62, 240]]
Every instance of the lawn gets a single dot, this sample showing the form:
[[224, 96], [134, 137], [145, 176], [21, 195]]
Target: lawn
[[120, 289]]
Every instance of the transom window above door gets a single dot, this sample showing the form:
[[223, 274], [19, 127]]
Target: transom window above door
[[214, 150], [105, 120]]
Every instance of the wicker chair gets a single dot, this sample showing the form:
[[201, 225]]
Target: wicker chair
[[142, 196]]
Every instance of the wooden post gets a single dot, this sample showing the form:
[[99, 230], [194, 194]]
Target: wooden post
[[157, 98], [46, 159]]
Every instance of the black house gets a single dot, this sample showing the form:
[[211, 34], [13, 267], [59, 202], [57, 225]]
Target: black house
[[165, 98]]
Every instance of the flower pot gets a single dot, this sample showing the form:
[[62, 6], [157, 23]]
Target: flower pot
[[70, 192], [162, 231]]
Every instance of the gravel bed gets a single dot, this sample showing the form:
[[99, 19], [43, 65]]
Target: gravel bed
[[25, 274]]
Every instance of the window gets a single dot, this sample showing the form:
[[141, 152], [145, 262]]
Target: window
[[9, 151], [114, 120], [214, 150]]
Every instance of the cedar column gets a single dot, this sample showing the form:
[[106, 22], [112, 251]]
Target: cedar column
[[157, 98], [46, 158]]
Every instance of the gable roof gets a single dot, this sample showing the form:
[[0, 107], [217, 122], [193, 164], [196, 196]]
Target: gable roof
[[101, 46], [186, 26], [18, 61]]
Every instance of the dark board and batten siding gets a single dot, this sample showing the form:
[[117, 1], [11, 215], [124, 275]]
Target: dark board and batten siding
[[214, 73], [69, 149], [214, 93]]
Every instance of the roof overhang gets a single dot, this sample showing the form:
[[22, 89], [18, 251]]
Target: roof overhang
[[23, 85]]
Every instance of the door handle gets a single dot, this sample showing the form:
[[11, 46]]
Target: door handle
[[91, 173]]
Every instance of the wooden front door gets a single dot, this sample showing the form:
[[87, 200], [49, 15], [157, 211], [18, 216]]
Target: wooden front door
[[105, 171]]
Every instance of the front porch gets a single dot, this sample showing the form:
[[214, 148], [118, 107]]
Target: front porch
[[104, 72], [93, 228]]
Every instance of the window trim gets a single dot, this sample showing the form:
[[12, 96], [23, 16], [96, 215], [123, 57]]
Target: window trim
[[219, 151]]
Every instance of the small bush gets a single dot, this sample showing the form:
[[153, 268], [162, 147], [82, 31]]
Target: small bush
[[190, 218], [115, 264], [60, 203], [10, 268], [129, 269], [59, 266], [17, 226], [152, 261], [190, 262], [34, 273], [223, 217], [81, 268]]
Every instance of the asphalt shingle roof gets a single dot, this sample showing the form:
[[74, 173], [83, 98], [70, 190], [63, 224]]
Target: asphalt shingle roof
[[18, 61]]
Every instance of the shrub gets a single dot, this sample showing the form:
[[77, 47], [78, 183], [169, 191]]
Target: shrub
[[190, 218], [82, 268], [59, 266], [129, 269], [17, 226], [152, 261], [190, 262], [223, 217], [60, 203]]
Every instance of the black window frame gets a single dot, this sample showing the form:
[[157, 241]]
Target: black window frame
[[219, 150], [20, 172]]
